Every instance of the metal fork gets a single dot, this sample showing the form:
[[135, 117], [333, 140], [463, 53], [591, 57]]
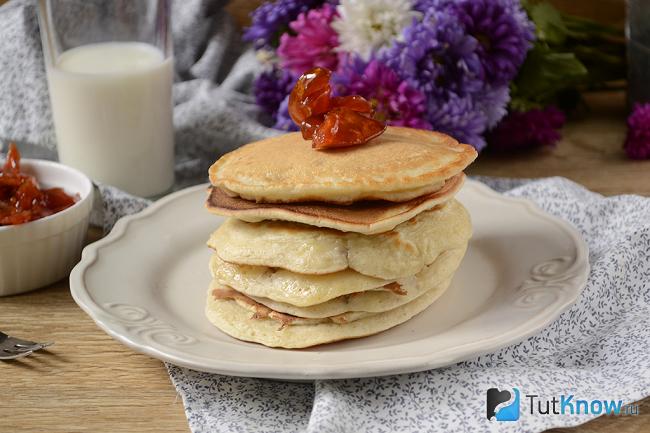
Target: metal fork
[[12, 348]]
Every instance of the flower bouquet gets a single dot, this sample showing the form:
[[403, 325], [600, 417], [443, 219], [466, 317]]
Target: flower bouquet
[[457, 66]]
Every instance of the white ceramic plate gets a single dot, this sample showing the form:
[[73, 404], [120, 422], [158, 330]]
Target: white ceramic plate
[[145, 284]]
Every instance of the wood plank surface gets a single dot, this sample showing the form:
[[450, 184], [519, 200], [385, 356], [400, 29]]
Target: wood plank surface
[[89, 382]]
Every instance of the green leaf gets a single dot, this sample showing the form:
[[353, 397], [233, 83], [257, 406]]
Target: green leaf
[[549, 25], [586, 29], [522, 104], [570, 54], [545, 73]]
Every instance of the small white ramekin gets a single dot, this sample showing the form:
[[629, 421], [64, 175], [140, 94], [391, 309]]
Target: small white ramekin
[[38, 253]]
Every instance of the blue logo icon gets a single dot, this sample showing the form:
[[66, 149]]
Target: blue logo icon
[[501, 405]]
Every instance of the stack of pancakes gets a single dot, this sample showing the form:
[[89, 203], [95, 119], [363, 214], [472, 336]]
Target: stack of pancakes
[[322, 246]]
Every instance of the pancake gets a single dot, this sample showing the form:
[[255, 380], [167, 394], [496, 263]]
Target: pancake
[[259, 310], [281, 331], [368, 217], [348, 307], [401, 252], [317, 296], [285, 286], [399, 165]]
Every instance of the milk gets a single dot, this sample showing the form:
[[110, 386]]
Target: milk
[[113, 114]]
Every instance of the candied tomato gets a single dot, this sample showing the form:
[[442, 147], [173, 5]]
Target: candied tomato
[[331, 121], [311, 95], [343, 127], [21, 199], [353, 102]]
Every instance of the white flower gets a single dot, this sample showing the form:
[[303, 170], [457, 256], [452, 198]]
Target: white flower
[[364, 26], [266, 57]]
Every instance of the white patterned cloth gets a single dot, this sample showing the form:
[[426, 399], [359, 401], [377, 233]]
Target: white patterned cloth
[[598, 349]]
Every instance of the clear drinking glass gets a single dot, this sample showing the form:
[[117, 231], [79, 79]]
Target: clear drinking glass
[[638, 50], [110, 70]]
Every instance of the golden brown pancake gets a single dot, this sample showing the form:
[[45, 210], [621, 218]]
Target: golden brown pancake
[[304, 249], [315, 294], [251, 321], [368, 217], [399, 165]]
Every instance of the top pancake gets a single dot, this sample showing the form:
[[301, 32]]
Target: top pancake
[[399, 165]]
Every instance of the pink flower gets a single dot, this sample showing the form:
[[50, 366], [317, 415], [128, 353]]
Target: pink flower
[[395, 101], [637, 142], [314, 42]]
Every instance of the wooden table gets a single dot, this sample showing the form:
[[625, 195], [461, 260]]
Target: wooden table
[[89, 382], [591, 153]]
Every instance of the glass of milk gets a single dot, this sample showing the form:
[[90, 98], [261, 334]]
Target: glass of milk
[[110, 70]]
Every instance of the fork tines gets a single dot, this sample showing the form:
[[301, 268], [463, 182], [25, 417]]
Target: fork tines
[[13, 348]]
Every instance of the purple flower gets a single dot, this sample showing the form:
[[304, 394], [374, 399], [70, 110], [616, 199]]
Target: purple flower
[[527, 130], [437, 56], [425, 6], [272, 19], [441, 61], [493, 101], [503, 39], [271, 87], [314, 42], [283, 121], [460, 118], [395, 101], [637, 142], [462, 56], [501, 29]]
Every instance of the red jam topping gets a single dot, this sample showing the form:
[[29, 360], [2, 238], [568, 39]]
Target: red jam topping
[[329, 121], [21, 199]]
